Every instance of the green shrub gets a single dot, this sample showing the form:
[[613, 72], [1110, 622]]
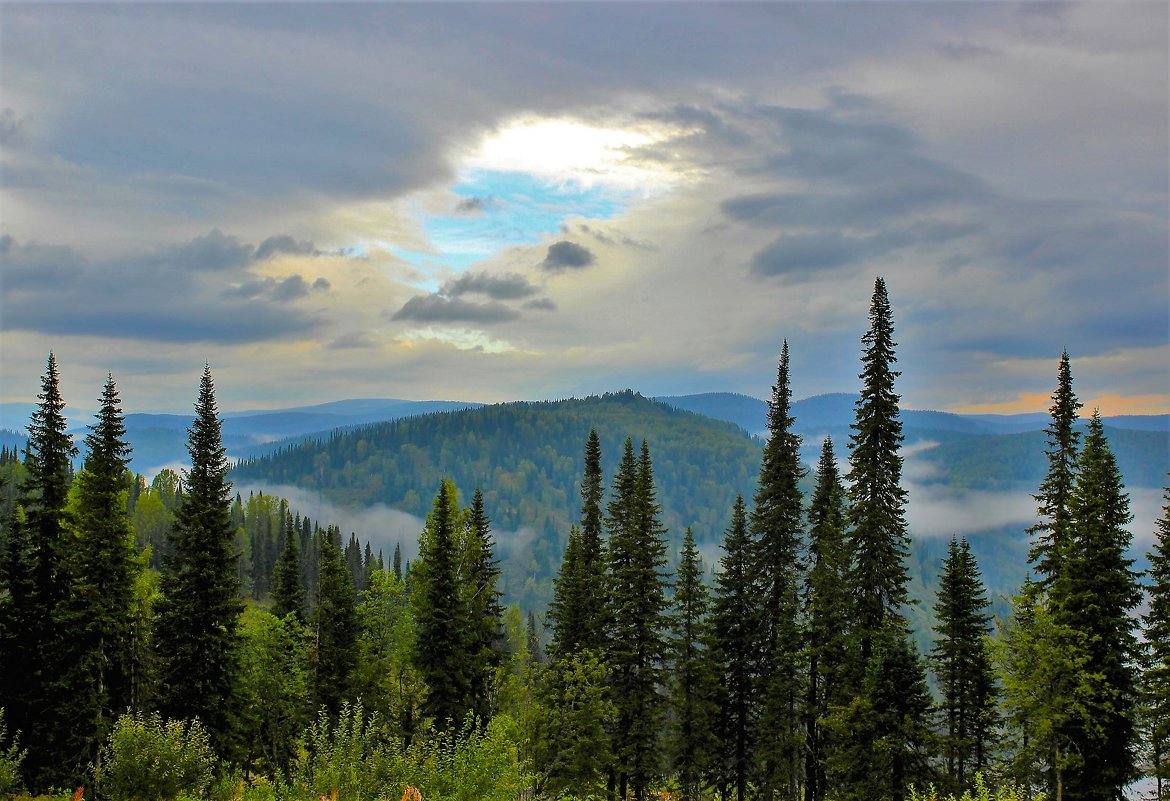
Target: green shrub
[[348, 756], [147, 758], [480, 765], [981, 793], [10, 758]]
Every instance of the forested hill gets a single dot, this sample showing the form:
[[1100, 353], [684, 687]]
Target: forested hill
[[527, 458]]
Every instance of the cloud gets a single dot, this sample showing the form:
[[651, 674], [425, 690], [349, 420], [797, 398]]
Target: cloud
[[567, 255], [201, 290], [541, 304], [509, 286], [12, 128], [475, 205], [440, 309], [274, 245], [352, 341]]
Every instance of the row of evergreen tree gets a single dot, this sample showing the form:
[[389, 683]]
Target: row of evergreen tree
[[795, 676]]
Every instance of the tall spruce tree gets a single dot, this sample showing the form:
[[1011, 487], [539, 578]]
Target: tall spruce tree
[[1096, 595], [1053, 532], [637, 649], [440, 656], [777, 526], [827, 605], [1156, 681], [567, 611], [877, 518], [199, 609], [37, 581], [887, 718], [485, 616], [335, 627], [288, 593], [961, 657], [692, 679], [592, 553], [734, 644], [99, 611]]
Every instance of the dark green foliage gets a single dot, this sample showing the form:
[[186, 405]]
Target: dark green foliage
[[881, 733], [1053, 532], [199, 610], [692, 678], [593, 603], [567, 613], [828, 610], [441, 617], [1096, 595], [733, 636], [570, 740], [882, 736], [273, 693], [36, 579], [637, 647], [961, 658], [877, 518], [484, 640], [1156, 681], [97, 617], [777, 524], [288, 593], [335, 629]]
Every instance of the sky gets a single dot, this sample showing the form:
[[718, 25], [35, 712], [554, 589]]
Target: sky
[[496, 201]]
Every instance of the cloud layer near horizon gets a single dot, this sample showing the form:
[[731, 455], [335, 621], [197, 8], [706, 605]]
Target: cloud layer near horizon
[[292, 193]]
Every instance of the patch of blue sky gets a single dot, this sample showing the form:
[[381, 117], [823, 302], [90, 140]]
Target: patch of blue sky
[[500, 209]]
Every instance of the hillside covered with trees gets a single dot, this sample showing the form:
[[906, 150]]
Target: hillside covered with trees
[[256, 656]]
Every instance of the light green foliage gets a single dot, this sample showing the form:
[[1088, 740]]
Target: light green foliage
[[148, 758], [981, 793], [273, 689], [347, 754], [479, 765], [1043, 671], [10, 758], [385, 677]]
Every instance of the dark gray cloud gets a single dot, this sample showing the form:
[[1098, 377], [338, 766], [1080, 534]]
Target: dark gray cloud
[[439, 309], [541, 304], [285, 244], [195, 291], [11, 128], [801, 254], [509, 286], [476, 205], [567, 255], [352, 341]]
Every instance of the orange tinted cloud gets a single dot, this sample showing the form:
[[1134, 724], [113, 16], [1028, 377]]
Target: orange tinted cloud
[[1110, 405]]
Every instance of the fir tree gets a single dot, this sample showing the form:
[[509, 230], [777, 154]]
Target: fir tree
[[570, 738], [886, 721], [198, 613], [398, 561], [777, 526], [827, 604], [440, 656], [1096, 596], [637, 646], [961, 657], [37, 582], [567, 611], [1054, 529], [877, 518], [733, 647], [99, 613], [335, 627], [485, 628], [288, 593], [593, 558], [692, 679], [1156, 681]]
